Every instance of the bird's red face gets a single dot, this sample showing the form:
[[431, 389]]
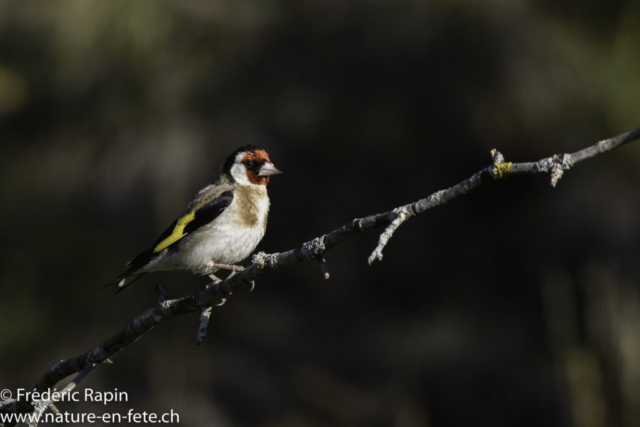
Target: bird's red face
[[250, 165], [258, 167]]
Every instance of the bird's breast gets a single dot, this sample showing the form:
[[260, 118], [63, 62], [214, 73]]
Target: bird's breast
[[234, 235], [250, 206]]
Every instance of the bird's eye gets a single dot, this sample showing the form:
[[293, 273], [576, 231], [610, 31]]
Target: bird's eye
[[248, 163]]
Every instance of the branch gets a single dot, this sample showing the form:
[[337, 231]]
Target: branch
[[42, 405], [263, 263], [555, 166]]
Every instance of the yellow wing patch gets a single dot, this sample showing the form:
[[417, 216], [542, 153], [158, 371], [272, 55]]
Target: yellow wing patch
[[178, 232]]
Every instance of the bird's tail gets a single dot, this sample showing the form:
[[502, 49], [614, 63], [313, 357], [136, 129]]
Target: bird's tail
[[132, 274], [124, 280]]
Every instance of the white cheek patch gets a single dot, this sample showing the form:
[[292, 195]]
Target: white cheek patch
[[239, 173], [240, 156]]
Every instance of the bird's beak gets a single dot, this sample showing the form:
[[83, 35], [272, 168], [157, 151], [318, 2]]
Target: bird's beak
[[268, 169]]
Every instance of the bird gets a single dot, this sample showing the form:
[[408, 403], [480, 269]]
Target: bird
[[220, 227]]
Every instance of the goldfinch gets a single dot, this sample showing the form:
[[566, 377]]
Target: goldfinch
[[220, 227]]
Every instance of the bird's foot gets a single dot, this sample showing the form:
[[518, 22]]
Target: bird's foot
[[211, 285], [233, 268], [253, 282], [215, 279]]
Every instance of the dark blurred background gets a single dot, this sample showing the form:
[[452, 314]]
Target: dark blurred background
[[517, 305]]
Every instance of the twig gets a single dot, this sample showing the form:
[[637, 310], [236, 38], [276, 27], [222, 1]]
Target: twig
[[206, 313], [402, 214], [53, 408], [323, 267], [162, 294], [204, 324], [44, 404], [215, 294]]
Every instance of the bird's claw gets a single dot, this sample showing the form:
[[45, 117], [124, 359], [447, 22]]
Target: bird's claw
[[233, 272], [233, 268]]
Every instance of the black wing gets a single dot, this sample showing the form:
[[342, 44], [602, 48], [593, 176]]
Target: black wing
[[177, 230], [182, 226], [191, 221], [210, 211]]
